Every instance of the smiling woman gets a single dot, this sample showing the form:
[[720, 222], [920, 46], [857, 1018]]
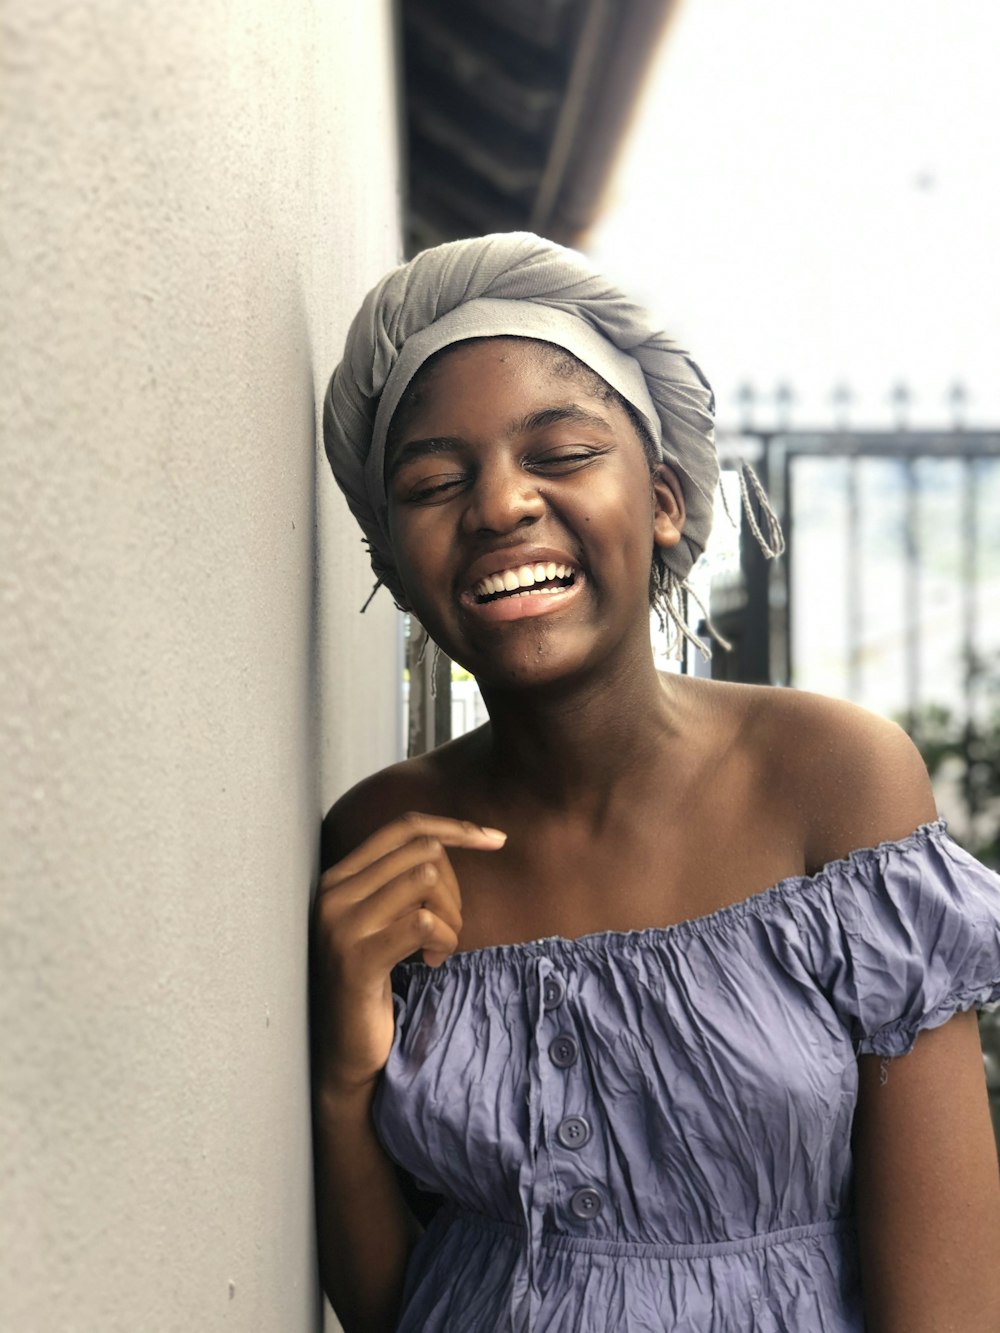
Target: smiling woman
[[627, 1060], [496, 440]]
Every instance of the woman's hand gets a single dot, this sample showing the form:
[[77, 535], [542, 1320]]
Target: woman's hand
[[393, 895]]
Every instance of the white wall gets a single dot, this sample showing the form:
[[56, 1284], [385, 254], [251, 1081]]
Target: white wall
[[196, 195]]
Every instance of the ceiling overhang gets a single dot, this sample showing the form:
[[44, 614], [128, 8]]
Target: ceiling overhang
[[515, 110]]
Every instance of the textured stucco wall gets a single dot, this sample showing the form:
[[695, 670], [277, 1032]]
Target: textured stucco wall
[[195, 196]]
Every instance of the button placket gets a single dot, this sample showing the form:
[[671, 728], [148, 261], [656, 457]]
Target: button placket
[[525, 1295], [573, 1131]]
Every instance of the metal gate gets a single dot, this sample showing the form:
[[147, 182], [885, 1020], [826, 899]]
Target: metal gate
[[888, 594]]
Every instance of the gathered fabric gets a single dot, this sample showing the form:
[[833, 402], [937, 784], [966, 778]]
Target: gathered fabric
[[516, 285], [651, 1130]]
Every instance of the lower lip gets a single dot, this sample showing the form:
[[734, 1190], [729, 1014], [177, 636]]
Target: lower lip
[[525, 606]]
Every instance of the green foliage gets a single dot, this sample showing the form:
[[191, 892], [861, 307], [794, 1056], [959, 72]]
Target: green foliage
[[974, 744]]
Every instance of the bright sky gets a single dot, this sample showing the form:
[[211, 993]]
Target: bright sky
[[811, 193]]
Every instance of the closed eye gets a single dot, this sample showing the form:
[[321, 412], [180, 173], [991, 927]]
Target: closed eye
[[429, 489], [567, 460]]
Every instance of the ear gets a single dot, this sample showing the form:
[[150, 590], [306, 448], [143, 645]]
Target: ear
[[668, 507]]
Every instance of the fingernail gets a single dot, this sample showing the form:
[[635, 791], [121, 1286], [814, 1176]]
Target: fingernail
[[494, 833]]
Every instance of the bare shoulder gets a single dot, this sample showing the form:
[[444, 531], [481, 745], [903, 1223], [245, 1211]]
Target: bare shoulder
[[431, 784], [855, 778], [368, 805]]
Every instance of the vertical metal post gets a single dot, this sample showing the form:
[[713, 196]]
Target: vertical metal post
[[430, 693], [788, 528], [777, 570], [441, 675], [417, 648], [911, 594], [854, 583], [754, 644], [970, 663]]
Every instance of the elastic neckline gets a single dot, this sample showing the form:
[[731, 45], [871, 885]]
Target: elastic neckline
[[604, 941]]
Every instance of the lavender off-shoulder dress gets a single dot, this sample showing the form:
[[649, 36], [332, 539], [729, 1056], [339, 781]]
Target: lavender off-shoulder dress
[[651, 1131]]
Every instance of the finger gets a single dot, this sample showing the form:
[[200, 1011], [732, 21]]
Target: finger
[[435, 957], [396, 835], [417, 932], [420, 886], [409, 857], [433, 886], [450, 832]]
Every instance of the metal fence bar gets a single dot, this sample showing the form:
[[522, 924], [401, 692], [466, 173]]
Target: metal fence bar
[[970, 579], [430, 692], [768, 592], [911, 607], [854, 582], [953, 728], [788, 528]]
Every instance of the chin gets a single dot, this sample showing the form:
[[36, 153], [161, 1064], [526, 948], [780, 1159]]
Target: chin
[[525, 655], [537, 668]]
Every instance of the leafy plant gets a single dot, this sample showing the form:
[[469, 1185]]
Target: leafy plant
[[973, 744]]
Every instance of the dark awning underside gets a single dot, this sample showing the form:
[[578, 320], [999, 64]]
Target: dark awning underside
[[514, 110]]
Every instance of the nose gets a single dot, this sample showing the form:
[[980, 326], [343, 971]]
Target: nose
[[502, 498]]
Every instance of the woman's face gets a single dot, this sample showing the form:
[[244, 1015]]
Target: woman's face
[[523, 515]]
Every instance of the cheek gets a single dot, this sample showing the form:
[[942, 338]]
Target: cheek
[[417, 550], [631, 556], [624, 528], [406, 553]]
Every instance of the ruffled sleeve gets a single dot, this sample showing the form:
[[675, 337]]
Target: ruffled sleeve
[[917, 938]]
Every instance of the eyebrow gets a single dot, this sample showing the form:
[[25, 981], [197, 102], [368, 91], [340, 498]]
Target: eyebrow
[[552, 416], [448, 444]]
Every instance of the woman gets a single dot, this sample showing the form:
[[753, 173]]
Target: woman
[[642, 1041]]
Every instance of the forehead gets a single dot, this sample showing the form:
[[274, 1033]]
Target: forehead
[[487, 371], [502, 350]]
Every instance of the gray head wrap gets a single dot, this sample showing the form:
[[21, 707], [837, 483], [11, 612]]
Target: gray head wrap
[[513, 284]]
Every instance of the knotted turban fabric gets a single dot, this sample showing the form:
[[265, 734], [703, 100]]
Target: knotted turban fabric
[[511, 284]]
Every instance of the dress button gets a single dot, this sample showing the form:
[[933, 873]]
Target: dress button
[[586, 1203], [563, 1052], [574, 1131], [553, 991]]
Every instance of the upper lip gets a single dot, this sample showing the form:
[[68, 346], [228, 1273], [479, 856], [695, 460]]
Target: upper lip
[[513, 557]]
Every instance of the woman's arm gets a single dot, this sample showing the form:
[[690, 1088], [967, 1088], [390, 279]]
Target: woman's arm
[[379, 901], [927, 1193], [365, 1230]]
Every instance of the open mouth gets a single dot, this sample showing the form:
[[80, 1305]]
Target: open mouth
[[524, 581]]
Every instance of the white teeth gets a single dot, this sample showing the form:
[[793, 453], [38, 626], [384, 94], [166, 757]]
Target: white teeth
[[524, 577]]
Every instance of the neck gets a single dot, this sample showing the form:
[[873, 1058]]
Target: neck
[[578, 744]]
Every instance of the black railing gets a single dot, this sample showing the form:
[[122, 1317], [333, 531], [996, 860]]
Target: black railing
[[919, 509]]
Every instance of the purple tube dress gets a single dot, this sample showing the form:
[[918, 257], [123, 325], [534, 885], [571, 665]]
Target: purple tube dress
[[650, 1131]]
